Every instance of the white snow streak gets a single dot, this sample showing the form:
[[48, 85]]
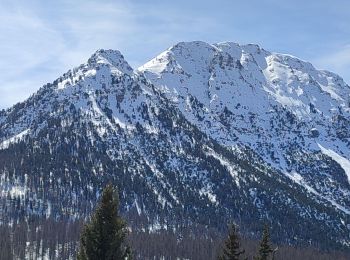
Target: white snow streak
[[14, 139], [343, 162], [296, 177]]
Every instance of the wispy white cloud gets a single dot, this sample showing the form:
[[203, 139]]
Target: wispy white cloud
[[26, 42], [337, 61], [35, 49], [39, 41]]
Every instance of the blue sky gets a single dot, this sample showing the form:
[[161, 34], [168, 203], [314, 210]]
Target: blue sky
[[40, 40]]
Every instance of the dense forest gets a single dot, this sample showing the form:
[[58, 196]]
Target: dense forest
[[64, 239]]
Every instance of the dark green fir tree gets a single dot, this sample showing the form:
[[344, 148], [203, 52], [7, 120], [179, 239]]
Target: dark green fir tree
[[265, 249], [232, 249], [104, 236]]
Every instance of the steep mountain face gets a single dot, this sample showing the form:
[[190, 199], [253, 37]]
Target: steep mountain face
[[200, 135], [294, 116]]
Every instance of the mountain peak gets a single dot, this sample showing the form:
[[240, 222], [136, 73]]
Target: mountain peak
[[111, 57], [187, 55], [192, 45]]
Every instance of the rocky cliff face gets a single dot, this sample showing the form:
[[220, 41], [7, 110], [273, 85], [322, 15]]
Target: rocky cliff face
[[202, 134]]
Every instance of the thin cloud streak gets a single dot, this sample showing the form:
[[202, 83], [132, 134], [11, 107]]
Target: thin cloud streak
[[40, 40], [38, 49], [337, 61]]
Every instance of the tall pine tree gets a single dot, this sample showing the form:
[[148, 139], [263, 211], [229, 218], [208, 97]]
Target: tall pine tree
[[103, 238], [265, 249], [232, 250]]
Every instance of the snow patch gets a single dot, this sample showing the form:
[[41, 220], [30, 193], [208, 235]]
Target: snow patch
[[14, 139], [63, 84], [342, 161], [206, 191], [227, 164], [157, 65]]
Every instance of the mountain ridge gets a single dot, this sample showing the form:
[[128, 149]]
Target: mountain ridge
[[202, 134]]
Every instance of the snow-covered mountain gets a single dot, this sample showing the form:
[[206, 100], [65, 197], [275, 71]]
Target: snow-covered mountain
[[201, 134], [279, 106]]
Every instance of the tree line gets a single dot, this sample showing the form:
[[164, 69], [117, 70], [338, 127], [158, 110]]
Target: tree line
[[105, 236]]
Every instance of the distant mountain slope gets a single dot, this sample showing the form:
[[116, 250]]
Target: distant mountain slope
[[202, 134]]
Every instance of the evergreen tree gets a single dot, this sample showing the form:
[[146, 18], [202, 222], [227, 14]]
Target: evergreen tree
[[265, 249], [104, 237], [232, 250]]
